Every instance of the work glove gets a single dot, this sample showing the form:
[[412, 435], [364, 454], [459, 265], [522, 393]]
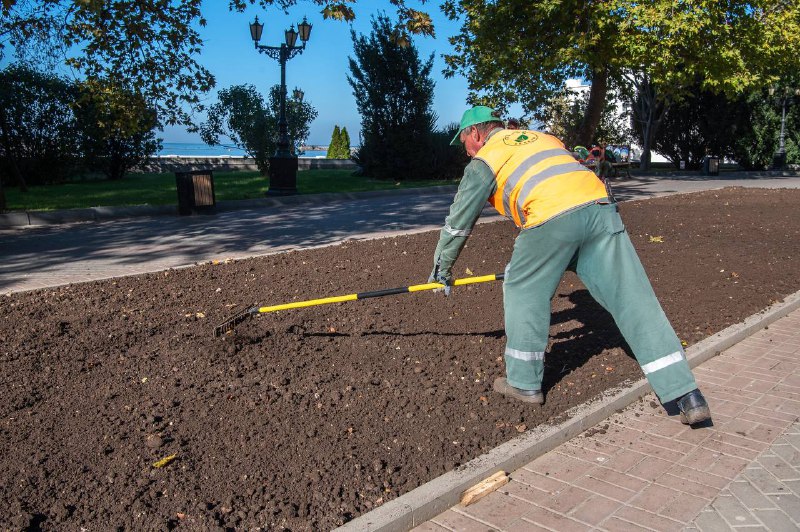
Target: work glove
[[441, 276]]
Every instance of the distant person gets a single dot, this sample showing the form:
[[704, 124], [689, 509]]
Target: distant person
[[582, 154], [566, 221], [602, 167]]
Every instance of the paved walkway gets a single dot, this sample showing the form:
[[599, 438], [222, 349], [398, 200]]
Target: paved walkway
[[644, 470]]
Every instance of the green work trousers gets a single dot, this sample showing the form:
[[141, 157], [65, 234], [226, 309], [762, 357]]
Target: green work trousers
[[593, 241]]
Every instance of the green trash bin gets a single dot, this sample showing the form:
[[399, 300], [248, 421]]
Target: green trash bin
[[195, 192]]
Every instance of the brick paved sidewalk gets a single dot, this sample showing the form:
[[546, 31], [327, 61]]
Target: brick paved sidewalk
[[641, 469]]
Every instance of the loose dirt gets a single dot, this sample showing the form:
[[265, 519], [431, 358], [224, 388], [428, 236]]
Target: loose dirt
[[308, 418]]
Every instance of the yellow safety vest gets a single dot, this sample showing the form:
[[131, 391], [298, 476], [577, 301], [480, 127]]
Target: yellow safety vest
[[537, 178]]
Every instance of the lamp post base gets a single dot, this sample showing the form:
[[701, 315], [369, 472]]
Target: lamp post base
[[779, 160], [282, 176]]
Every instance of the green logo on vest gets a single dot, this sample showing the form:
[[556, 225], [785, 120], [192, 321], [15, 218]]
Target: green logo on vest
[[520, 138]]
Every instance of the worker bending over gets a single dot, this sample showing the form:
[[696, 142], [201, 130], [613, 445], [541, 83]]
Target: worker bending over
[[567, 219]]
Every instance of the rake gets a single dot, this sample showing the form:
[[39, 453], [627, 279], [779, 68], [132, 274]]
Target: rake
[[230, 324]]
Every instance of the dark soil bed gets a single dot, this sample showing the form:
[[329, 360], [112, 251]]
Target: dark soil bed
[[308, 418]]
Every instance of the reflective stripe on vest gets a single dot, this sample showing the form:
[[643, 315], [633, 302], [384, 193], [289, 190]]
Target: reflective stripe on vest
[[525, 164]]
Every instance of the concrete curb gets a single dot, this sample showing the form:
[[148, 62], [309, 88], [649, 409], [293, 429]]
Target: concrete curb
[[438, 495], [17, 219]]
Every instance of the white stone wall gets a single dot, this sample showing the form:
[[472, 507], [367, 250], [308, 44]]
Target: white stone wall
[[177, 163]]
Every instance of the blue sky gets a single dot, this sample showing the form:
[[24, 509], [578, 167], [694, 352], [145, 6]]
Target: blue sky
[[321, 70]]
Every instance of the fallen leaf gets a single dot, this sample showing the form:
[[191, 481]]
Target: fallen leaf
[[200, 315], [468, 272], [521, 427], [165, 461], [659, 239]]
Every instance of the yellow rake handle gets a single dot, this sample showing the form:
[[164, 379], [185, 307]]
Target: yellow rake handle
[[379, 293]]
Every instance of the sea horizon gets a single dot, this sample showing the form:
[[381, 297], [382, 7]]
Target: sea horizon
[[199, 149]]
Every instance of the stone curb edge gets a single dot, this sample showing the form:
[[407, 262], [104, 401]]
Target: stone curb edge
[[440, 494], [10, 220]]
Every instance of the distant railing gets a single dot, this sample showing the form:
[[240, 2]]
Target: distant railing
[[178, 163]]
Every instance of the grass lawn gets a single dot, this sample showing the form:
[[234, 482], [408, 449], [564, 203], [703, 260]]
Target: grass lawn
[[159, 189]]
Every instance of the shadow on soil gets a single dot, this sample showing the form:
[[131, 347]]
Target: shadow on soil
[[572, 348]]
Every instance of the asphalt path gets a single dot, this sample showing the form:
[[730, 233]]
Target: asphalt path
[[36, 257]]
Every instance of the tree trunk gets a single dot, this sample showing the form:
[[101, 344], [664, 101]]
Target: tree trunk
[[644, 159], [3, 205], [648, 111], [594, 110], [9, 149]]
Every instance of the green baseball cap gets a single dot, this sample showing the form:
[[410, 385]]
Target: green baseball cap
[[473, 116]]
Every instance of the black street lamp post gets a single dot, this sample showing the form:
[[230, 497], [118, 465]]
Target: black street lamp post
[[282, 165], [786, 98]]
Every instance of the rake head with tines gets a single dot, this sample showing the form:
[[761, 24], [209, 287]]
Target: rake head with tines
[[229, 324]]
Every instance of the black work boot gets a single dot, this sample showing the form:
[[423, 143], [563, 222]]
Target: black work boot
[[502, 386], [693, 408]]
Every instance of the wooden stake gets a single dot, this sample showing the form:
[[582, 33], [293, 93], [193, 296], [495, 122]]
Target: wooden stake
[[483, 488]]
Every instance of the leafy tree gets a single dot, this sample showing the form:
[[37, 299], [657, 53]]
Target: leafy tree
[[37, 127], [394, 95], [702, 124], [410, 21], [151, 47], [335, 145], [562, 116], [50, 129], [114, 139], [299, 116], [344, 143], [565, 114], [339, 147], [242, 115], [448, 162], [728, 46], [758, 134], [744, 128]]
